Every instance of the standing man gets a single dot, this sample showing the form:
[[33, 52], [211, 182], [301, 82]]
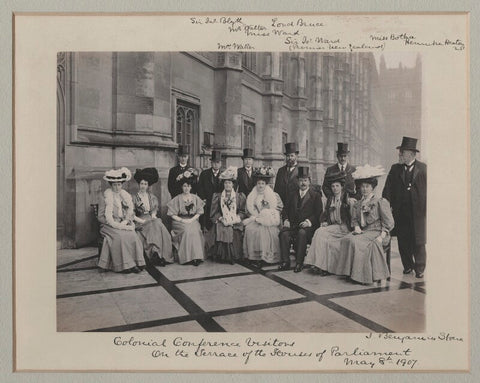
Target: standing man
[[208, 184], [341, 166], [406, 190], [244, 175], [301, 219], [173, 186], [286, 182]]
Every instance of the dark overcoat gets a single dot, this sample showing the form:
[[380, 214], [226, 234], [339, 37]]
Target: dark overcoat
[[286, 184], [394, 191], [244, 182], [208, 184]]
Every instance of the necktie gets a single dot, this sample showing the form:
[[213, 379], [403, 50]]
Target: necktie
[[342, 168], [408, 175]]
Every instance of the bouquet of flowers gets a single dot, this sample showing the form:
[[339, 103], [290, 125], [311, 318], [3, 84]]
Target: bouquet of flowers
[[264, 171], [189, 206], [229, 201]]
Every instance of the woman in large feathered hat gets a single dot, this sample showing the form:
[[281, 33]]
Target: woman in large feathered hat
[[361, 252], [155, 236], [122, 249]]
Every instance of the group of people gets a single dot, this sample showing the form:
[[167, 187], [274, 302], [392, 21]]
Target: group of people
[[230, 215]]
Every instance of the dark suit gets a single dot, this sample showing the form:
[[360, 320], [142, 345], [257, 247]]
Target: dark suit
[[245, 183], [409, 209], [174, 188], [349, 182], [208, 184], [298, 210], [286, 183]]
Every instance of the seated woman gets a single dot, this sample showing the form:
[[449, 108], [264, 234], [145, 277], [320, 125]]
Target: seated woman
[[155, 236], [334, 225], [122, 249], [227, 213], [361, 252], [185, 210], [260, 241]]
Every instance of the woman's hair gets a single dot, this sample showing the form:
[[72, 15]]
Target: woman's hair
[[341, 182], [143, 179], [189, 181], [222, 182], [372, 181], [266, 179], [112, 182]]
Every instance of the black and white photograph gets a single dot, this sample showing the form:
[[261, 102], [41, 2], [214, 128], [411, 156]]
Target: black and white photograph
[[241, 192]]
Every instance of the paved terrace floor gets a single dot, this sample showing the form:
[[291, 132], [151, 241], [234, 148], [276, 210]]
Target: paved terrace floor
[[234, 298]]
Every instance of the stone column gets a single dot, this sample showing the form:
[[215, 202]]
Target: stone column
[[347, 96], [228, 103], [328, 114], [272, 150], [315, 116], [299, 112]]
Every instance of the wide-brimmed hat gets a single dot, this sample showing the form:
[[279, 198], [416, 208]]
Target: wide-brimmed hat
[[148, 174], [263, 173], [336, 177], [368, 174], [248, 153], [117, 175], [409, 143], [216, 155], [183, 150], [291, 147], [303, 172], [342, 148], [229, 174]]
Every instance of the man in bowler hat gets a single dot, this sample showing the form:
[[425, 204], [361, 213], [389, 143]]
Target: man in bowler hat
[[245, 179], [406, 190], [300, 220], [341, 166], [174, 188], [208, 184], [286, 182]]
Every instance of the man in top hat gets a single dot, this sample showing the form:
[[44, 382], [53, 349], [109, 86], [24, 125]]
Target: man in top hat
[[208, 184], [173, 187], [300, 220], [245, 179], [341, 166], [286, 183], [406, 190]]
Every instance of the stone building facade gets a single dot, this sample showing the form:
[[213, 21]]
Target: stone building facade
[[133, 109], [401, 102]]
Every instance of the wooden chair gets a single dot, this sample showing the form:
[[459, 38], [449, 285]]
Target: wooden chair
[[388, 252], [100, 236]]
